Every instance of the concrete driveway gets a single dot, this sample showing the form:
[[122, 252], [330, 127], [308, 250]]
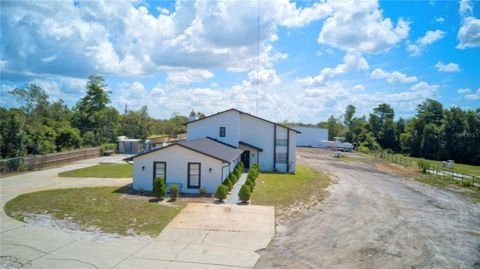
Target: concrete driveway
[[201, 236]]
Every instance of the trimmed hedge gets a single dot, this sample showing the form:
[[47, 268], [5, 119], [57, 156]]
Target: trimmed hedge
[[221, 192], [244, 193], [173, 191], [159, 187]]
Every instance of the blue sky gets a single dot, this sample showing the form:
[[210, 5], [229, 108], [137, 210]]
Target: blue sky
[[312, 58]]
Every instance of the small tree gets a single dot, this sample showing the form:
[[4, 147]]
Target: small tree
[[221, 192], [423, 166], [173, 191], [159, 187], [244, 193], [203, 192]]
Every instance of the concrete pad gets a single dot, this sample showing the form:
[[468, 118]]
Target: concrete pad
[[218, 256], [241, 240], [103, 254], [44, 263], [226, 218], [142, 264], [161, 250], [187, 265], [38, 238], [182, 235], [20, 252], [8, 224]]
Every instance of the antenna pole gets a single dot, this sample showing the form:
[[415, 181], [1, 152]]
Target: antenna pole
[[258, 52]]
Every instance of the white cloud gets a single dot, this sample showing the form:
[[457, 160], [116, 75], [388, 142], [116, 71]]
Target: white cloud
[[473, 96], [422, 42], [352, 61], [424, 87], [464, 90], [450, 67], [440, 19], [394, 77], [466, 8], [189, 76], [359, 87], [293, 17], [265, 77], [469, 33], [360, 26]]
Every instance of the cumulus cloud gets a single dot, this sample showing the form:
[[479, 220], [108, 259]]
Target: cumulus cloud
[[424, 87], [393, 77], [422, 42], [440, 19], [359, 87], [473, 96], [450, 67], [469, 33], [360, 26], [352, 61], [464, 90], [189, 76]]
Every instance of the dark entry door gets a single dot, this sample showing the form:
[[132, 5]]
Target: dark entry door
[[246, 159]]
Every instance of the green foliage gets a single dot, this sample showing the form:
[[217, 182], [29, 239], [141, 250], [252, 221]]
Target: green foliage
[[221, 192], [203, 192], [244, 193], [68, 138], [423, 166], [159, 187], [173, 191], [107, 147]]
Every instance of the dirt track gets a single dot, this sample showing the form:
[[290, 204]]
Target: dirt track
[[377, 220]]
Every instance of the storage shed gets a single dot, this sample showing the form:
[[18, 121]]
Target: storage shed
[[310, 136]]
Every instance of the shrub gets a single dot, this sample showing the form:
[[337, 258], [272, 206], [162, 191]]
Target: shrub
[[109, 147], [423, 166], [363, 149], [173, 191], [244, 193], [203, 192], [221, 192], [159, 187]]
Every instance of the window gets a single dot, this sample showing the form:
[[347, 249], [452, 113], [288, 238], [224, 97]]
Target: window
[[281, 157], [222, 131], [194, 171], [281, 142], [160, 170]]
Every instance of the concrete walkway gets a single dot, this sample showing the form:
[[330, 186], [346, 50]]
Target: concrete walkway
[[201, 236], [233, 197]]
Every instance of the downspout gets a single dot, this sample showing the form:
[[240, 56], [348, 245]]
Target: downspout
[[228, 164], [274, 147], [288, 151]]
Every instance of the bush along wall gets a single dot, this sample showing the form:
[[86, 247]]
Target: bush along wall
[[233, 177], [247, 188]]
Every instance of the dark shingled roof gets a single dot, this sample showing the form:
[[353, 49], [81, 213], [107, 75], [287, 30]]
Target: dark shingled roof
[[204, 146]]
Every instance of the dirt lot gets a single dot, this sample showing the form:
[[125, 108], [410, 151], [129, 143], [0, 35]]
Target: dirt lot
[[374, 219]]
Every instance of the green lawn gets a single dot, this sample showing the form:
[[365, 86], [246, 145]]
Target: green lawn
[[461, 168], [100, 207], [101, 170], [306, 187]]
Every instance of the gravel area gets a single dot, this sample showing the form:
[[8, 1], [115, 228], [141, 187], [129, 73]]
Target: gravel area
[[374, 219]]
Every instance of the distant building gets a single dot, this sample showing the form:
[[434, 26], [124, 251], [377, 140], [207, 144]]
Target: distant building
[[310, 136]]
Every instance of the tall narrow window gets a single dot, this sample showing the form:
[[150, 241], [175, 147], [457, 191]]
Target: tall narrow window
[[222, 131], [160, 170], [194, 171]]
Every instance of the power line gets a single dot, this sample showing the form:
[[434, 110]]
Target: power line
[[258, 52]]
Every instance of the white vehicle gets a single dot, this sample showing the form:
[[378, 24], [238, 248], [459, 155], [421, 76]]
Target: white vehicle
[[337, 144]]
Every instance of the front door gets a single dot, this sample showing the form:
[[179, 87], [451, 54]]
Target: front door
[[246, 159]]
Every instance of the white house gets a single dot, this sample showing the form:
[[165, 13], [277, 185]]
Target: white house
[[190, 164], [271, 145], [311, 136]]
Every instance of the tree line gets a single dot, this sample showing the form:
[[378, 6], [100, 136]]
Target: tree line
[[434, 132], [40, 126]]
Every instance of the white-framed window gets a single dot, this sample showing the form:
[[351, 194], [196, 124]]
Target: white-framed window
[[194, 175]]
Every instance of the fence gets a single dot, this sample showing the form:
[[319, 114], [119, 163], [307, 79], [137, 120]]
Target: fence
[[464, 179], [29, 163]]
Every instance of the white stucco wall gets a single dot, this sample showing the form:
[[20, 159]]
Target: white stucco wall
[[209, 127], [258, 133], [177, 159], [311, 137]]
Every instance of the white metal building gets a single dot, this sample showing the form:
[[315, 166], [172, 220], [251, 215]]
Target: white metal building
[[271, 145], [194, 164], [311, 136]]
